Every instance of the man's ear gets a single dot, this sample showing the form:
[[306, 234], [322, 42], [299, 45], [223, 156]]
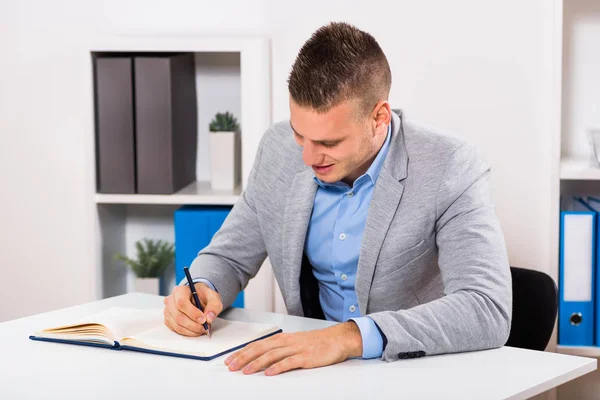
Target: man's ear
[[381, 117]]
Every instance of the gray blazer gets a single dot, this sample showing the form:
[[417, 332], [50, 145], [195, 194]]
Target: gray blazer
[[433, 271]]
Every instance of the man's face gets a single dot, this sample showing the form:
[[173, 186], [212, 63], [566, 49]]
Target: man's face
[[335, 144]]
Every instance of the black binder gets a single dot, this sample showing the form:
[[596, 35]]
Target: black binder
[[166, 122], [114, 123]]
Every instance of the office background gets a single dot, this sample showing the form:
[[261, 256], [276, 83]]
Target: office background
[[493, 72]]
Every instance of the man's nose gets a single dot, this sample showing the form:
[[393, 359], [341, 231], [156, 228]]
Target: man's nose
[[310, 154]]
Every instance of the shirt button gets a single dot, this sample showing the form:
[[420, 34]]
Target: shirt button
[[352, 308], [342, 236], [350, 194], [344, 277]]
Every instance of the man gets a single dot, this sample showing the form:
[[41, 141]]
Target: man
[[367, 219]]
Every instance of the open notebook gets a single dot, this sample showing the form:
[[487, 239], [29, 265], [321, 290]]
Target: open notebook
[[144, 330]]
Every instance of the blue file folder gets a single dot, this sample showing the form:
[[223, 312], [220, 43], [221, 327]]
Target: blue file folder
[[594, 203], [577, 288], [194, 228]]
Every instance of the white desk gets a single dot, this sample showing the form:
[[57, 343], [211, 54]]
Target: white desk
[[30, 369]]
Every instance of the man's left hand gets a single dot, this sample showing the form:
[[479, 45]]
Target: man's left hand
[[287, 351]]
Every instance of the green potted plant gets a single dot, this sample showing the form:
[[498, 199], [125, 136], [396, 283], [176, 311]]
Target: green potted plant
[[153, 258], [225, 151]]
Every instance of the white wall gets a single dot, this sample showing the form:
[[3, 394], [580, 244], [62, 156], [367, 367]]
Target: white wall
[[42, 201], [471, 68]]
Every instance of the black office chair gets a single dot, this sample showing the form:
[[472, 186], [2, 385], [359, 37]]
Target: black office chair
[[535, 304]]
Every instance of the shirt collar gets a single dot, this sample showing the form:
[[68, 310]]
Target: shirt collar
[[373, 171]]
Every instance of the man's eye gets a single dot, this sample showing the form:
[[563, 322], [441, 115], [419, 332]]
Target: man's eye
[[329, 145]]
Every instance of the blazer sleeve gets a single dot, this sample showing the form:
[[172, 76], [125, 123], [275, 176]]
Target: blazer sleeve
[[237, 250], [476, 311]]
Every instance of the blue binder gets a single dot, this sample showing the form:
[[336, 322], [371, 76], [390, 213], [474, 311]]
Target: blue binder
[[577, 288], [194, 228], [595, 204]]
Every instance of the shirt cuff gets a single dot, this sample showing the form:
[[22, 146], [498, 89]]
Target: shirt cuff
[[372, 340], [200, 280]]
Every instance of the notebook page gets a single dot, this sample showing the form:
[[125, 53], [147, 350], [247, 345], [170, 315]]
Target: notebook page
[[123, 322], [225, 335]]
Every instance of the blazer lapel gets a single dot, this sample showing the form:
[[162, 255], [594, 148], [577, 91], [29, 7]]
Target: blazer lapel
[[298, 209], [382, 209]]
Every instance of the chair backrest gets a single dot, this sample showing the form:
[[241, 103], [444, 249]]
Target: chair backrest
[[535, 305]]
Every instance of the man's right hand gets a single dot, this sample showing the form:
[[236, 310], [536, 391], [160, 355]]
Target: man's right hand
[[181, 314]]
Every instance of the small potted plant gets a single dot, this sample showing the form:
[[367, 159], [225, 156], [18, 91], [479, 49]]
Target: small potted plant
[[153, 258], [225, 151]]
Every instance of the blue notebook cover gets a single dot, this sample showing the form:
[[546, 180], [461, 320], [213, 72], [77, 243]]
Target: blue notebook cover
[[118, 346], [195, 227]]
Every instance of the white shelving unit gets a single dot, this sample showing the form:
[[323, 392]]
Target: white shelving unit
[[575, 97], [232, 73], [196, 193], [579, 168]]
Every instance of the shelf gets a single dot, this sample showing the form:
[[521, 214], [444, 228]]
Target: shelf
[[177, 43], [578, 169], [195, 193], [582, 351]]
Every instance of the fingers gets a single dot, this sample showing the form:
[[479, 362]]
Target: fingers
[[253, 351], [213, 302], [181, 324], [287, 364], [178, 308], [268, 359], [276, 361], [184, 303], [177, 328], [287, 351]]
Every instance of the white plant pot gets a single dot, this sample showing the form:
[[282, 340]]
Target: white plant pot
[[147, 285], [225, 150]]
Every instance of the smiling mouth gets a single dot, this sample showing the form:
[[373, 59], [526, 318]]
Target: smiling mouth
[[322, 166]]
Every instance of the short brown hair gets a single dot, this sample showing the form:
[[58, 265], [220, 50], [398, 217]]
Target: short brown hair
[[340, 62]]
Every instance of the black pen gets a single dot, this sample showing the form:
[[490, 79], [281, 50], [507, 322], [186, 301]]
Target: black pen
[[195, 295]]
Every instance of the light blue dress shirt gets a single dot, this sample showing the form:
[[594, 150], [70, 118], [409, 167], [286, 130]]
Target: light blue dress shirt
[[333, 245]]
